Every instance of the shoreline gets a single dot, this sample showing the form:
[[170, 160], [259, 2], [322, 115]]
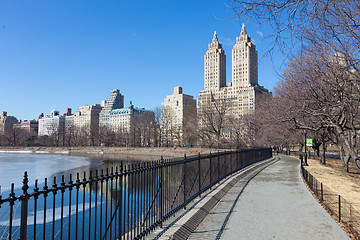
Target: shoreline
[[114, 151]]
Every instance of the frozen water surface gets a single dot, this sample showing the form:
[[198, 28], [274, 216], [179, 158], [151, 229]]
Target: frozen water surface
[[38, 166]]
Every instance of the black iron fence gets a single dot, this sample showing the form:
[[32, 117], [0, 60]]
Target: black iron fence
[[335, 203], [124, 202]]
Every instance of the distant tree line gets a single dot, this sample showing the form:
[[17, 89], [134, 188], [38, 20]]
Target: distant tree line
[[219, 129]]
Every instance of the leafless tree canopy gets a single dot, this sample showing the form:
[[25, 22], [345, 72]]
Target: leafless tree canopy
[[318, 21], [320, 89]]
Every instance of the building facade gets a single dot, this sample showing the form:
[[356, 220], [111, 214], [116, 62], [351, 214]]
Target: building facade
[[131, 124], [84, 125], [87, 118], [178, 119], [6, 123], [115, 101], [52, 125], [126, 119], [28, 126], [222, 107], [214, 66]]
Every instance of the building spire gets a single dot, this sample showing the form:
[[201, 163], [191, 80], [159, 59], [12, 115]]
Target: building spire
[[243, 31], [215, 39]]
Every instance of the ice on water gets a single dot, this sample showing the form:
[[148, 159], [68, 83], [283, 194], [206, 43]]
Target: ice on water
[[38, 166], [49, 216]]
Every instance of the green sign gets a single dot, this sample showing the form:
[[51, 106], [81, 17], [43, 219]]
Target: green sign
[[309, 142]]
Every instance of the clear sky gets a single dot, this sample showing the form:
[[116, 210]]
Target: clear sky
[[58, 54]]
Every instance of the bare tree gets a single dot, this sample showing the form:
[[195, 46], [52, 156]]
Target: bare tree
[[318, 93], [167, 126], [189, 131], [327, 90], [214, 119], [107, 136], [141, 128]]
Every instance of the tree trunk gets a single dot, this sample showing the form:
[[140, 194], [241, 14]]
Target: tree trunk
[[323, 156], [347, 149], [346, 163]]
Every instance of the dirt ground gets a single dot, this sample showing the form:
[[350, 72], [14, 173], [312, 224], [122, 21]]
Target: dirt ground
[[333, 177]]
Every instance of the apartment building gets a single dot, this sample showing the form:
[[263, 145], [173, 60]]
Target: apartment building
[[6, 122], [115, 117], [31, 126], [52, 125], [236, 98], [178, 118]]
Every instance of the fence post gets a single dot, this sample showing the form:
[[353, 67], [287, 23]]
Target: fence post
[[184, 178], [199, 173], [225, 164], [218, 167], [210, 163], [161, 191], [121, 173], [24, 207], [237, 161], [322, 193], [339, 209]]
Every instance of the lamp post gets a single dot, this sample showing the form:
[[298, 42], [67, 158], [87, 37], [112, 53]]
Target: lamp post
[[287, 147], [305, 164]]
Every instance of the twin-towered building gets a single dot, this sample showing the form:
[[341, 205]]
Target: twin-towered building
[[180, 114], [237, 98], [243, 90]]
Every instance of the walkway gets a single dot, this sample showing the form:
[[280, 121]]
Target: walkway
[[268, 202], [271, 203]]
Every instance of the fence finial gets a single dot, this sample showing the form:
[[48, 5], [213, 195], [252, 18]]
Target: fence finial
[[25, 186]]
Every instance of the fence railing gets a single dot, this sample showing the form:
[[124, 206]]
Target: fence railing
[[334, 202], [124, 202]]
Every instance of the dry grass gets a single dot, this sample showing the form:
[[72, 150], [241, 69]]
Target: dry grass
[[339, 182], [332, 176]]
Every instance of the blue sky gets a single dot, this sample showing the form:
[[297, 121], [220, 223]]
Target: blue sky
[[58, 54]]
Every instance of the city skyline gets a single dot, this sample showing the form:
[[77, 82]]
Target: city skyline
[[50, 62]]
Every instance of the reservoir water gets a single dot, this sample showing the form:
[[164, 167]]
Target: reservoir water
[[38, 166], [41, 166], [47, 215]]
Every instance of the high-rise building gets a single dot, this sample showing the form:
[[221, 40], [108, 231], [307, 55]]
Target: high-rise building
[[178, 117], [86, 120], [88, 117], [115, 117], [244, 62], [52, 125], [116, 101], [236, 99], [214, 66], [6, 122]]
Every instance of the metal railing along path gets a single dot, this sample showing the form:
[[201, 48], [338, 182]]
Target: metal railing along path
[[124, 202]]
